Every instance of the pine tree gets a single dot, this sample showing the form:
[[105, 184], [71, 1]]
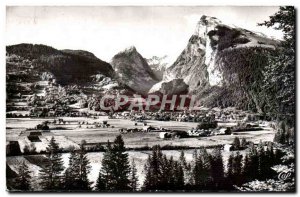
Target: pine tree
[[269, 161], [100, 183], [153, 169], [166, 178], [22, 182], [236, 143], [271, 153], [237, 168], [162, 173], [194, 168], [229, 173], [243, 143], [149, 180], [133, 177], [247, 173], [280, 76], [186, 167], [254, 164], [115, 168], [261, 161], [179, 176], [217, 167], [206, 174], [50, 175], [182, 159], [198, 172], [72, 172], [84, 170], [105, 179], [121, 168]]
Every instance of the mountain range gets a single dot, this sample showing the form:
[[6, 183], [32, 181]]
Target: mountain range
[[211, 65]]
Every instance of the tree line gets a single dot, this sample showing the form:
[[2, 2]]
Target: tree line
[[206, 172]]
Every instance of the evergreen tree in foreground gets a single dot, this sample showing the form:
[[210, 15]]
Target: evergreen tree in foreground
[[162, 173], [206, 174], [100, 183], [50, 175], [229, 174], [76, 174], [280, 76], [104, 181], [179, 176], [247, 173], [133, 177], [22, 182], [186, 168], [237, 168], [84, 170], [121, 169], [217, 168], [115, 170], [72, 172], [199, 177], [153, 170]]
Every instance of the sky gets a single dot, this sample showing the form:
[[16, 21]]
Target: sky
[[105, 31]]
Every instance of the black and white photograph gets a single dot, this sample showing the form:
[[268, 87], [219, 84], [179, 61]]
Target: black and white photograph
[[150, 99]]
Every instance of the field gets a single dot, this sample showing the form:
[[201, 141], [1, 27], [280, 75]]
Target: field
[[70, 135]]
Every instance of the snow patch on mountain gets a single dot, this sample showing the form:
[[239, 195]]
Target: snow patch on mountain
[[158, 65]]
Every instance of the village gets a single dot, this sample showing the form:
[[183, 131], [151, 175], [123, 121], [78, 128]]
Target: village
[[38, 108], [150, 99], [166, 128], [231, 131]]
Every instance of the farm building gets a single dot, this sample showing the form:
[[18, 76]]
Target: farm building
[[34, 136], [148, 128], [13, 148], [228, 147], [164, 135], [222, 131]]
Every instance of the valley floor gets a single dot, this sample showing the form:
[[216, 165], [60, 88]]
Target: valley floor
[[70, 135]]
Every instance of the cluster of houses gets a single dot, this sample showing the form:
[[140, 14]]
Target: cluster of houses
[[144, 129], [201, 115]]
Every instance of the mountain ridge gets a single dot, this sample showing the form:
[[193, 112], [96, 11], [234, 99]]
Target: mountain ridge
[[69, 66], [132, 70], [200, 69]]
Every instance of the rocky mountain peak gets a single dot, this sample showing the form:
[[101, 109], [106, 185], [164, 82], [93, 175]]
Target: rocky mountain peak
[[199, 64], [130, 49], [209, 20], [205, 24], [133, 70]]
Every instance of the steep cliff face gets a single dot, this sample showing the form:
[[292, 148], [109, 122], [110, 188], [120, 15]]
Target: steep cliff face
[[192, 63], [197, 64], [201, 63], [133, 70]]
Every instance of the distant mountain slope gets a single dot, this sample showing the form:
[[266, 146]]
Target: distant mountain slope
[[68, 66], [205, 63], [133, 70], [158, 65]]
